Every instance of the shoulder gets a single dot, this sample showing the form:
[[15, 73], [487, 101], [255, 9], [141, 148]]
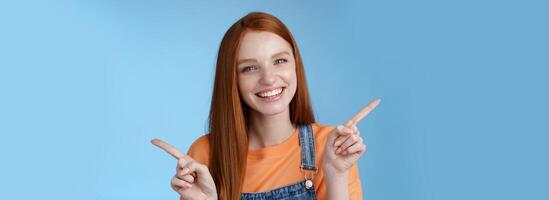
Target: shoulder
[[200, 149], [321, 131]]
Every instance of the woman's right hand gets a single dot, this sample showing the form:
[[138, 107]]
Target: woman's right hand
[[192, 180]]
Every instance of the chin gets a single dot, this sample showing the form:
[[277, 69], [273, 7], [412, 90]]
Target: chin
[[272, 110]]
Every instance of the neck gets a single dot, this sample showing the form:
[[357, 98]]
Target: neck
[[269, 130]]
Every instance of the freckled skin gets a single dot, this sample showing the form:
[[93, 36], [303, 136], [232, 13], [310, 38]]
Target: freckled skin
[[266, 71]]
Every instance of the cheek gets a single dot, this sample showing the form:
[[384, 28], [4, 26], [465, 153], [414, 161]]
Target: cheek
[[290, 77], [245, 85]]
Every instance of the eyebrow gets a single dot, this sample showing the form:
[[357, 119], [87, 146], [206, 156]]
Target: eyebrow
[[252, 59]]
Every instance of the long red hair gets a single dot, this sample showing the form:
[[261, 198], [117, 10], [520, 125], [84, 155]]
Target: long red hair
[[228, 113]]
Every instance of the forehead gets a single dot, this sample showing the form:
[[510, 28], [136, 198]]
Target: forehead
[[262, 44]]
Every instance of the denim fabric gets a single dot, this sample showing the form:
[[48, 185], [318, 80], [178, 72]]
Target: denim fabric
[[296, 191], [307, 142]]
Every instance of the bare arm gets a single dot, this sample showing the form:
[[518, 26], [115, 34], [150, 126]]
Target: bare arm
[[337, 184]]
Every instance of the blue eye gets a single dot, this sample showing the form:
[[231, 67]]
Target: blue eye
[[248, 68], [281, 59]]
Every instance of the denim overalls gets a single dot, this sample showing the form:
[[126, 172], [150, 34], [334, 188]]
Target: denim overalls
[[302, 190]]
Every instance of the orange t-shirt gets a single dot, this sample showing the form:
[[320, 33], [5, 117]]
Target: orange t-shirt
[[279, 165]]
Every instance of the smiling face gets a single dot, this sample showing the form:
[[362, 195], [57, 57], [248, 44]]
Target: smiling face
[[266, 72]]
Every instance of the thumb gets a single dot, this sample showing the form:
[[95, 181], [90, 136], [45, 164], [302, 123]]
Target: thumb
[[339, 131], [200, 169]]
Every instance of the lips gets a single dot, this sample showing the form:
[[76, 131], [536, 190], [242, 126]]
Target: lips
[[271, 93]]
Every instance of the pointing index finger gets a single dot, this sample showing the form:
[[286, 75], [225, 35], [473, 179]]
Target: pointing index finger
[[363, 113], [168, 148]]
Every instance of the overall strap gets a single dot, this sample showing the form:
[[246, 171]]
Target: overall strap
[[307, 142]]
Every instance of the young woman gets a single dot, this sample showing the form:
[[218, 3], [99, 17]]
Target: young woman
[[263, 142]]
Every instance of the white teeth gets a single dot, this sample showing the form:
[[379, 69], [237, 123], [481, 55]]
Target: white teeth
[[270, 93]]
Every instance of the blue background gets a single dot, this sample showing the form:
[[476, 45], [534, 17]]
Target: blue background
[[85, 85]]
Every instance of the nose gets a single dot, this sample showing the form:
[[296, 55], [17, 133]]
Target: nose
[[268, 76]]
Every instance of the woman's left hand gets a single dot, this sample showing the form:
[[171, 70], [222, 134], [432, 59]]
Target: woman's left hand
[[345, 146]]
